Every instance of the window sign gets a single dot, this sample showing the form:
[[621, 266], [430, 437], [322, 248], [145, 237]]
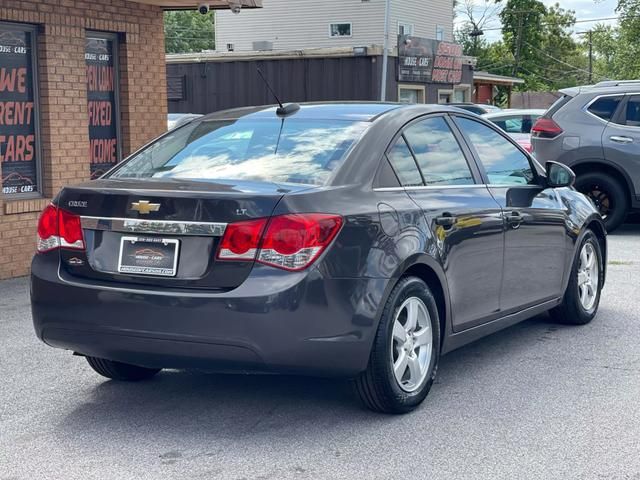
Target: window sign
[[103, 108], [19, 139]]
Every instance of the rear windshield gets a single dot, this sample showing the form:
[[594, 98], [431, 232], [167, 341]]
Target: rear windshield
[[289, 150]]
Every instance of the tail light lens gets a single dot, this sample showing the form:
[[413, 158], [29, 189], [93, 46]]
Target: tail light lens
[[291, 242], [526, 144], [59, 228], [241, 240], [545, 128]]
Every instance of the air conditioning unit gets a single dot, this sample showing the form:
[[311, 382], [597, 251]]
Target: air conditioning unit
[[262, 46]]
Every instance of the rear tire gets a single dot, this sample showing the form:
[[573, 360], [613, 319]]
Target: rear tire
[[121, 371], [576, 308], [609, 196], [405, 353]]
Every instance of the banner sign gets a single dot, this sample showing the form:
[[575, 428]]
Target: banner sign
[[18, 146], [104, 147], [428, 61]]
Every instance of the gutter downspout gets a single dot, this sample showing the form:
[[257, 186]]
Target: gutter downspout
[[385, 52]]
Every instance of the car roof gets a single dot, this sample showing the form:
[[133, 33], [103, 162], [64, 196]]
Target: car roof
[[515, 111], [608, 86], [346, 111]]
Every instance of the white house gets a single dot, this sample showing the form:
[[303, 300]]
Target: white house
[[305, 24]]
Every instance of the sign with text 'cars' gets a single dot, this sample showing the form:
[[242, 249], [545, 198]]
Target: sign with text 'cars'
[[428, 61], [18, 145]]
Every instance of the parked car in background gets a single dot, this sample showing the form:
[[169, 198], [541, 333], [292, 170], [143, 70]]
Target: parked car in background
[[176, 119], [360, 240], [596, 131], [517, 123], [477, 108]]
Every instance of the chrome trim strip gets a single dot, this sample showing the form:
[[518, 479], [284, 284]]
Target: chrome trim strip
[[429, 187], [162, 227]]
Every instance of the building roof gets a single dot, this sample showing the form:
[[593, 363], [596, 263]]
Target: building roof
[[496, 79], [193, 4], [323, 52]]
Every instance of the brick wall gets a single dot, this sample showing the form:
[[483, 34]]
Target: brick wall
[[63, 99]]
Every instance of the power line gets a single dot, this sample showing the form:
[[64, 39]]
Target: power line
[[558, 60], [585, 20]]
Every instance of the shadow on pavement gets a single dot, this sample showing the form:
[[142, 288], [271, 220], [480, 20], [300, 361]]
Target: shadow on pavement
[[187, 403]]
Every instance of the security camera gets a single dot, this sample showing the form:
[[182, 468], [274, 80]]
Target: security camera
[[235, 7], [203, 8]]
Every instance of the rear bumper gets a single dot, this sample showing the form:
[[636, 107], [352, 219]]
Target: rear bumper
[[275, 321]]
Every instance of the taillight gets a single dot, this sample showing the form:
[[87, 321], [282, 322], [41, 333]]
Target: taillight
[[290, 242], [293, 242], [545, 128], [526, 144], [241, 240], [59, 228]]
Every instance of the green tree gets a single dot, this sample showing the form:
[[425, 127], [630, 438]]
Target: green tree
[[188, 31]]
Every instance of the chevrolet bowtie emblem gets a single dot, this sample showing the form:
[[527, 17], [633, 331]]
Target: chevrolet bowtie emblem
[[143, 207]]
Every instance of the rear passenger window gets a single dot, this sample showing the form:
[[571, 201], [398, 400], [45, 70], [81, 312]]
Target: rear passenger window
[[438, 153], [604, 107], [633, 111], [404, 165]]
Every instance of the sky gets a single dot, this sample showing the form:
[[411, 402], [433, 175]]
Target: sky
[[584, 9]]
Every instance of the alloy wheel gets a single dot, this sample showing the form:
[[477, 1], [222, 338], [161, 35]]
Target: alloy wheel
[[588, 276], [412, 344]]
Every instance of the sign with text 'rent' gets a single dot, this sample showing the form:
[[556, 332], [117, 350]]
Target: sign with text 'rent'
[[18, 140], [425, 60], [102, 84]]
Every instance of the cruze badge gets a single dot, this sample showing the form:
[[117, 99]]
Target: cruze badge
[[143, 207]]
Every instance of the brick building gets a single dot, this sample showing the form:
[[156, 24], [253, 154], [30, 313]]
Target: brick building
[[82, 84]]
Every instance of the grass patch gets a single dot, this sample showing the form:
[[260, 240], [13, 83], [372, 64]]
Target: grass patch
[[619, 262]]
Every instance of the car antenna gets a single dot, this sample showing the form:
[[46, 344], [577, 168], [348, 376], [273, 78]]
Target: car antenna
[[283, 110]]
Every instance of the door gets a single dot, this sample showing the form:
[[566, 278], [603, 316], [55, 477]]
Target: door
[[535, 231], [621, 138], [463, 216]]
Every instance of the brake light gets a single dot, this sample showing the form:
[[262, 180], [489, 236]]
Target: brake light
[[290, 242], [58, 228], [241, 240], [546, 128]]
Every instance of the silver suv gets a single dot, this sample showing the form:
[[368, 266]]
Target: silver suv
[[595, 130]]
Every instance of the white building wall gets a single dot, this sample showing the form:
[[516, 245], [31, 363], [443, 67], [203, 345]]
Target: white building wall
[[304, 24], [425, 16]]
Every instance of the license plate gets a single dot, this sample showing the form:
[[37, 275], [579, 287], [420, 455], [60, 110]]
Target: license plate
[[148, 256]]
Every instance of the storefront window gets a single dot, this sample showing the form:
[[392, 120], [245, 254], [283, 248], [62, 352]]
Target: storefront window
[[103, 102], [19, 123], [411, 94]]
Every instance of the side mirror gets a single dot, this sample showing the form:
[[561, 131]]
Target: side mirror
[[559, 175]]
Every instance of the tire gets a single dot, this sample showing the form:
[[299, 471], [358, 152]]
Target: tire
[[378, 386], [121, 371], [572, 310], [609, 196]]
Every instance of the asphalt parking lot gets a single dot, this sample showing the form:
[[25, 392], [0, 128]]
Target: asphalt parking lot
[[536, 401]]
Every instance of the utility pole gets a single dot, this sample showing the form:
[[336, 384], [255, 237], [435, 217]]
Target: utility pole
[[385, 52], [590, 56], [516, 63], [590, 36]]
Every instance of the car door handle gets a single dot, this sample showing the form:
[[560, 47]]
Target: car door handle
[[621, 139], [446, 220], [514, 219]]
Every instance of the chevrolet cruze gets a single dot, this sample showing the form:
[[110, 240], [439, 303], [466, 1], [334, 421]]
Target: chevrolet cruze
[[358, 240]]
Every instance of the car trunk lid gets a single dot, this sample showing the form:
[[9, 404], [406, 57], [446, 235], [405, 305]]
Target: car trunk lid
[[163, 233]]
